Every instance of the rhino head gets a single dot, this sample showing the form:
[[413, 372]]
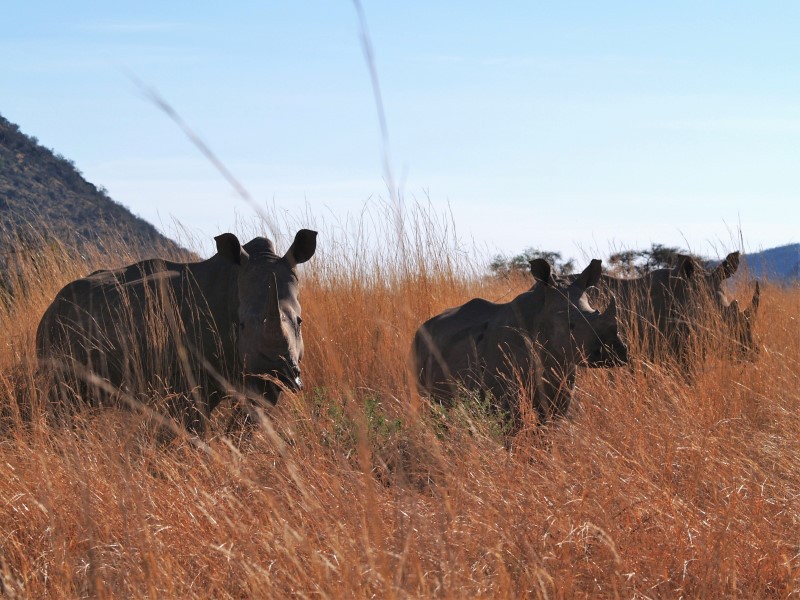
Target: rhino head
[[737, 325], [269, 339], [740, 325], [578, 332]]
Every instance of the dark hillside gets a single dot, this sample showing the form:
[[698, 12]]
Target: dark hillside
[[44, 196], [777, 264]]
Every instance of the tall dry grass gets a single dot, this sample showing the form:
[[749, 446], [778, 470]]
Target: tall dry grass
[[654, 487]]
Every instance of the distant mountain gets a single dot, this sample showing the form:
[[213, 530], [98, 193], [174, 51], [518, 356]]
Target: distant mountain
[[44, 196], [778, 264]]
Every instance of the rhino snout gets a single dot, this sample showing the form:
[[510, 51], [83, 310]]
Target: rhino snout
[[270, 380], [288, 375], [609, 355]]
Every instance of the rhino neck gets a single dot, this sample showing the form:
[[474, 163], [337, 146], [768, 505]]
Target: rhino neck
[[216, 282]]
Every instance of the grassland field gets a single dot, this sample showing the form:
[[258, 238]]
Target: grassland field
[[653, 487]]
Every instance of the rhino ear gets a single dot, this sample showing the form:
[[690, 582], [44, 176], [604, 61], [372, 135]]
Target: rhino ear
[[751, 310], [540, 269], [590, 275], [727, 267], [228, 246], [303, 247], [686, 266]]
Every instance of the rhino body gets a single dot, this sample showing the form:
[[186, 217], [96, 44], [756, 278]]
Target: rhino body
[[665, 310], [188, 333], [524, 353]]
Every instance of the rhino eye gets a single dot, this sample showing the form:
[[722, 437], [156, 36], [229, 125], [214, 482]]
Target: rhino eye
[[299, 321]]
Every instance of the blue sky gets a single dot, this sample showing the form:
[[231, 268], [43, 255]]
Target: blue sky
[[572, 126]]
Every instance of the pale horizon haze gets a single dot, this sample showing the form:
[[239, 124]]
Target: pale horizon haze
[[578, 127]]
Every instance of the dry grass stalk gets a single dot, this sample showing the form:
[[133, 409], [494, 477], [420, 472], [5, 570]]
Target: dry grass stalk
[[654, 486]]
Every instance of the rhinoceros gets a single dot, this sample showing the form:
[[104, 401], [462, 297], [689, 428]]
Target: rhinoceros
[[189, 333], [666, 309], [524, 353]]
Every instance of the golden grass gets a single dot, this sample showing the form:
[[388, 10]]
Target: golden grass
[[355, 488]]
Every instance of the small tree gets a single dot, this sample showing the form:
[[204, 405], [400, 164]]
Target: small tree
[[658, 256], [502, 266]]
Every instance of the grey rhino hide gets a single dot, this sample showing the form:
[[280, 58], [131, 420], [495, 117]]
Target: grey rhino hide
[[186, 333], [665, 310], [523, 353]]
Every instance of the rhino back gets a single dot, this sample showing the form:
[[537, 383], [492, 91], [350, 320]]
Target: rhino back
[[645, 298], [445, 347], [133, 324]]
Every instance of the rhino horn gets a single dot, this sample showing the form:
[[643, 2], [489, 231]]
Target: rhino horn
[[611, 310], [686, 266], [273, 314], [753, 308]]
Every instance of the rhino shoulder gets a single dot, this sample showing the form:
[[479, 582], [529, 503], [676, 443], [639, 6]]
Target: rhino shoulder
[[475, 309]]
